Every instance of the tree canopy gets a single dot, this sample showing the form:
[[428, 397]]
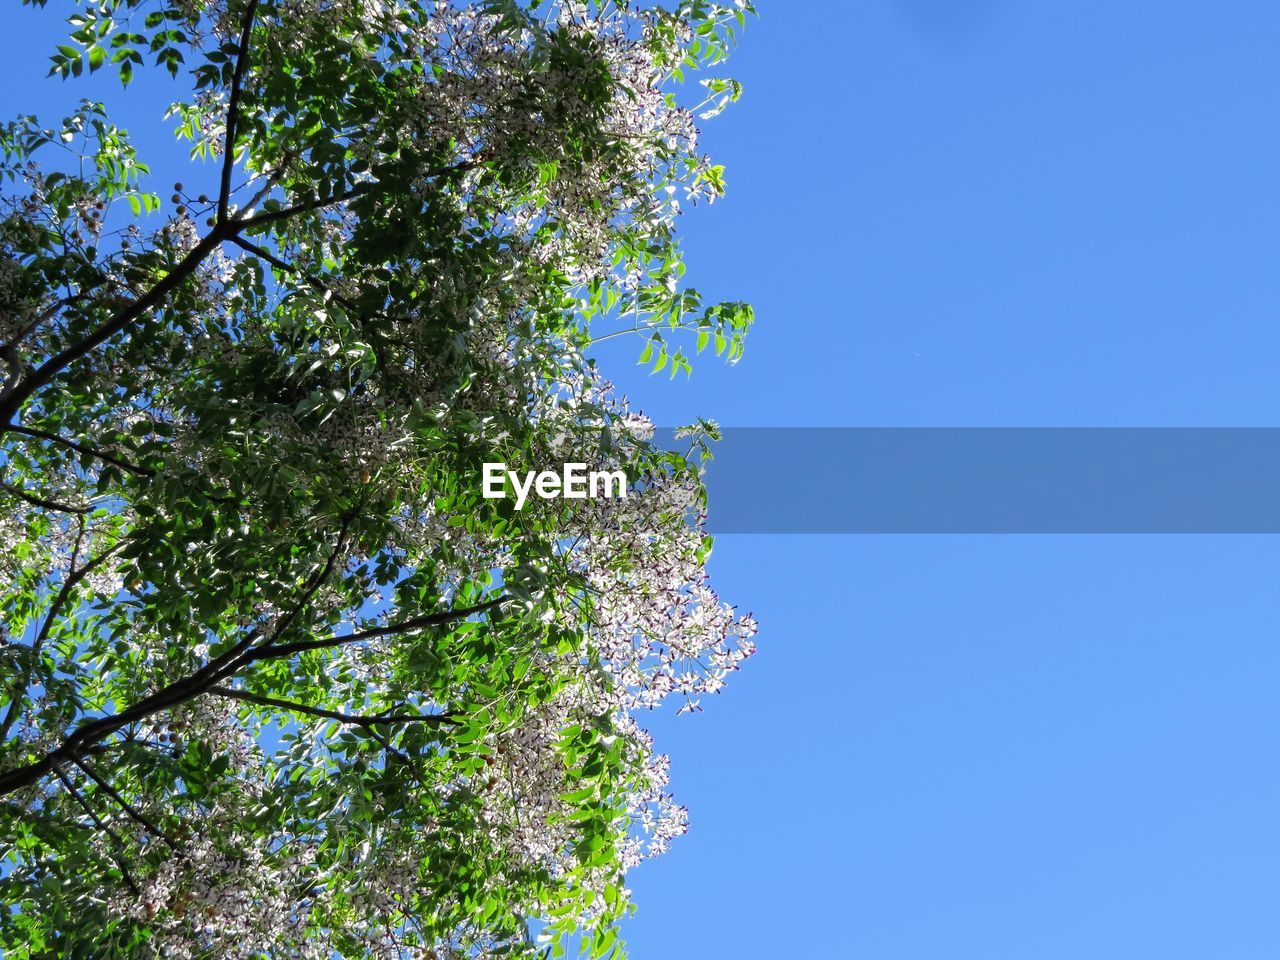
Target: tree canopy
[[275, 678]]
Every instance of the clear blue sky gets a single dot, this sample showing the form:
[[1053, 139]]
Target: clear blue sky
[[985, 213], [976, 213]]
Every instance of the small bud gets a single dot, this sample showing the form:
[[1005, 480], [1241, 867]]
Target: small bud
[[178, 187], [176, 198], [182, 210]]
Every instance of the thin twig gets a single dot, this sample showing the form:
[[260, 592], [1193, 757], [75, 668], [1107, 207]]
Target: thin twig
[[284, 213], [357, 719], [275, 651], [42, 502], [80, 448], [128, 808], [119, 859], [275, 261]]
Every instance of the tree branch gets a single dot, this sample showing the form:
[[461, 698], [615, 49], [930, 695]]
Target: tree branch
[[44, 374], [49, 312], [284, 213], [275, 261], [363, 721], [18, 391], [180, 691], [272, 179], [128, 808], [41, 501], [120, 847], [212, 674], [233, 106], [74, 576], [225, 666], [272, 216], [81, 448], [275, 651]]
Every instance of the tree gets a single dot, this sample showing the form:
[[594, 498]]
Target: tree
[[275, 678]]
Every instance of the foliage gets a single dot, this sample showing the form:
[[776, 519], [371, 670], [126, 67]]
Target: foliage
[[275, 679]]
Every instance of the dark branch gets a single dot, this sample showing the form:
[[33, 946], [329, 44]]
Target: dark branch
[[233, 110], [19, 393], [125, 805], [363, 721], [274, 178], [275, 261], [275, 651], [228, 667], [98, 822], [81, 448], [48, 313], [74, 575], [84, 737], [272, 216], [202, 681], [41, 501], [284, 213]]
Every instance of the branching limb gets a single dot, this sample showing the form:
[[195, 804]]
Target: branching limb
[[360, 189], [19, 390], [272, 179], [74, 575], [89, 734], [214, 672], [226, 665], [49, 312]]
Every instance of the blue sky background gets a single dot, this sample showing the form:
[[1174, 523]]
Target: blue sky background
[[971, 213]]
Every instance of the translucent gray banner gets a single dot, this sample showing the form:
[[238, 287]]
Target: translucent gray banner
[[1000, 480]]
